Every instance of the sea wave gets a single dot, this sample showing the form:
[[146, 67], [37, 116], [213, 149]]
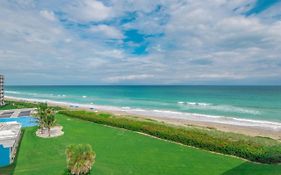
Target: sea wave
[[268, 125], [189, 104], [13, 92], [222, 108], [126, 107], [35, 95]]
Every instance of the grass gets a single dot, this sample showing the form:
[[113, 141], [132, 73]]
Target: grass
[[120, 151], [16, 105], [9, 104], [256, 149]]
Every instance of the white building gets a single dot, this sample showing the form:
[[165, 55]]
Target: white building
[[10, 133], [1, 90]]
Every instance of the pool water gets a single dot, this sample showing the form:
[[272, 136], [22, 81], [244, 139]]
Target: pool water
[[26, 121]]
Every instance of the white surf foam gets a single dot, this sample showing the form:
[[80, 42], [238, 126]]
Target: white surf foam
[[268, 125], [13, 92], [223, 108]]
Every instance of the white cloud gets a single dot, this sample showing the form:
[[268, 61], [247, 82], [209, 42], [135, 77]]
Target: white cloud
[[89, 10], [129, 77], [202, 41], [107, 31], [48, 15]]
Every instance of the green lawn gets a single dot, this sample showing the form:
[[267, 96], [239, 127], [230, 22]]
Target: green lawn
[[19, 105], [125, 152], [16, 105]]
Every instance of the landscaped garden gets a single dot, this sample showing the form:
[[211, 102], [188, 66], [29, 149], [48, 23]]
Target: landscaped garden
[[127, 149], [119, 151]]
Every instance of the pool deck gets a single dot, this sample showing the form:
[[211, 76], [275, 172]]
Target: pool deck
[[15, 113]]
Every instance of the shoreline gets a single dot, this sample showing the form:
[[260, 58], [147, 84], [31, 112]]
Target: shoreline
[[236, 125]]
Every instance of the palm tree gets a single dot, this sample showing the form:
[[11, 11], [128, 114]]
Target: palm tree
[[49, 120], [80, 158], [45, 116], [40, 115]]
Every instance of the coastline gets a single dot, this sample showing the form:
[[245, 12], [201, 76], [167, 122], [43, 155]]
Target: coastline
[[236, 125]]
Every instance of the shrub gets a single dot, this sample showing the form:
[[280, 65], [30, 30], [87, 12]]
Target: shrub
[[242, 148], [80, 158]]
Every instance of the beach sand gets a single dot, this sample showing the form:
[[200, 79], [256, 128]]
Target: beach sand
[[254, 130]]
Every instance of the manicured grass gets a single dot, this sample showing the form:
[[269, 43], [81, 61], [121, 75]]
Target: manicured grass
[[123, 152], [9, 104], [16, 105], [254, 149]]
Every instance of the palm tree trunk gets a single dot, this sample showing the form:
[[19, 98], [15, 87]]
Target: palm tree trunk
[[49, 131], [41, 129]]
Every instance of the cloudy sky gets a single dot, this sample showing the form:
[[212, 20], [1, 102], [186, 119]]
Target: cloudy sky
[[140, 41]]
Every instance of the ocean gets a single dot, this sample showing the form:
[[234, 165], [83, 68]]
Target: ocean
[[228, 102]]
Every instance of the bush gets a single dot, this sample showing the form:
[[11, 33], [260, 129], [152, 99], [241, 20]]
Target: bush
[[241, 148], [80, 158]]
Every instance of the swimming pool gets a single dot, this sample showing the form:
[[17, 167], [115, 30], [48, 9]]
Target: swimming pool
[[26, 121]]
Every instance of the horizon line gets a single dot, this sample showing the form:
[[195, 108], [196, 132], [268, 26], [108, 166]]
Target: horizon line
[[144, 85]]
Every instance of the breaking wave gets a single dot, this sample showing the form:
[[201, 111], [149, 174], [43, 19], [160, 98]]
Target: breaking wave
[[222, 108], [170, 114]]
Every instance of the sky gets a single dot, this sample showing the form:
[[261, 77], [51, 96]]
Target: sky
[[92, 42]]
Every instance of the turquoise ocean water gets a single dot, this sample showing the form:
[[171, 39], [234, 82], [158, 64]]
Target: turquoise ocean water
[[246, 102]]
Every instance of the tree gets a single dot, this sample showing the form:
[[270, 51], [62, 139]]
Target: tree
[[49, 120], [80, 158], [46, 117], [41, 114]]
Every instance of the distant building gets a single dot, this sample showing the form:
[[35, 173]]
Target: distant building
[[1, 90], [10, 133]]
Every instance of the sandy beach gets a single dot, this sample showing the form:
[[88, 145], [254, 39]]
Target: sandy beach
[[241, 126]]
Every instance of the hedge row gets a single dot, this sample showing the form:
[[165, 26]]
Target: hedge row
[[241, 148]]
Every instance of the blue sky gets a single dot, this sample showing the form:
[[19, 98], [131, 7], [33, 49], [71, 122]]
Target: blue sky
[[140, 41]]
